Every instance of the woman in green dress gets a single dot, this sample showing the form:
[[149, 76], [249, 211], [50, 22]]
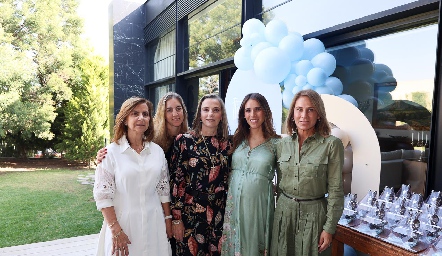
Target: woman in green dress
[[310, 162], [250, 199]]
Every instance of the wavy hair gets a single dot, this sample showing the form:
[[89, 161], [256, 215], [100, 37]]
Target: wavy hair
[[120, 128], [161, 135], [243, 130], [223, 126], [322, 126]]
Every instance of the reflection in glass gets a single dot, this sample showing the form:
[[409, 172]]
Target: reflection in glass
[[214, 32], [392, 79], [208, 84], [159, 91], [306, 16], [164, 58]]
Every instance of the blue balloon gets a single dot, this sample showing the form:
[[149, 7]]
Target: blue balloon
[[296, 89], [308, 87], [349, 98], [301, 80], [303, 67], [366, 53], [335, 85], [242, 58], [272, 65], [287, 97], [326, 61], [293, 67], [245, 41], [289, 82], [323, 90], [274, 31], [316, 77], [383, 67], [312, 47], [258, 48], [252, 26], [346, 56], [293, 46]]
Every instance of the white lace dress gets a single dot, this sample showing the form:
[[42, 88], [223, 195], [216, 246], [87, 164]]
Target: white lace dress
[[136, 185]]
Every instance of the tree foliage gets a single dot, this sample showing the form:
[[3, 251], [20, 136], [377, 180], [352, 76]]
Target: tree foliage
[[44, 61], [86, 122]]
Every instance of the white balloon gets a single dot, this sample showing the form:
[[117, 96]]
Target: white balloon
[[256, 38], [253, 26], [338, 133]]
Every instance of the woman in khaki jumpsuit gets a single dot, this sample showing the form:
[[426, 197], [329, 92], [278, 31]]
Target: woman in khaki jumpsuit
[[310, 197]]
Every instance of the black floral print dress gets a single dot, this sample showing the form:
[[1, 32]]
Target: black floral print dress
[[199, 176]]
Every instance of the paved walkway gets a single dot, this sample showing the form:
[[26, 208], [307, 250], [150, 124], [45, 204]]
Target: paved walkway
[[74, 246]]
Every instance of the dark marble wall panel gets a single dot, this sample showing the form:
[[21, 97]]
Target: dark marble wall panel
[[129, 53]]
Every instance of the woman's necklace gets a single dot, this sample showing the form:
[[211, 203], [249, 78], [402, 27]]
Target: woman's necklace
[[139, 149], [208, 152]]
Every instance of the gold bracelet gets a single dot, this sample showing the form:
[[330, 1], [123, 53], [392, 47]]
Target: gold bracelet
[[118, 234], [113, 224], [176, 222]]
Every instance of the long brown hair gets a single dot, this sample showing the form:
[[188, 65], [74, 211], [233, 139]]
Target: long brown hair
[[243, 130], [120, 128], [162, 136], [322, 126], [223, 127]]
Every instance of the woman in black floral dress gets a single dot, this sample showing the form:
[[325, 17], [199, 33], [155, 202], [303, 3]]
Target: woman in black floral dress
[[199, 174]]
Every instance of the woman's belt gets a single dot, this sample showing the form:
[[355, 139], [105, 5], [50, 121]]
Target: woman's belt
[[301, 200]]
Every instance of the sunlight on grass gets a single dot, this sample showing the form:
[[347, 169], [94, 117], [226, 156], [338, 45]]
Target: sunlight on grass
[[45, 205]]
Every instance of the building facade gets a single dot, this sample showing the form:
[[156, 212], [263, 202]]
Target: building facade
[[387, 52]]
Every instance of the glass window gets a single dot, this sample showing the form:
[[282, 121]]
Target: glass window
[[161, 57], [157, 92], [308, 16], [214, 32], [392, 79], [208, 84]]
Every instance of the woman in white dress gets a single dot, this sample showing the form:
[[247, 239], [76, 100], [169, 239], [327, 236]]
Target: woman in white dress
[[132, 187]]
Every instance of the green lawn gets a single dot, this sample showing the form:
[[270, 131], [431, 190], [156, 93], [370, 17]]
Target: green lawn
[[45, 205]]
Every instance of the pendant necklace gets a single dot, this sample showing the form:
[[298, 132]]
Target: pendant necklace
[[208, 151]]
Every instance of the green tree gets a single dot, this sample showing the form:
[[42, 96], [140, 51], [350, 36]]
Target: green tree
[[37, 40], [86, 118]]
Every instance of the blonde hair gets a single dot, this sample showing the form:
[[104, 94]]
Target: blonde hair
[[161, 135], [223, 127], [322, 126], [120, 128]]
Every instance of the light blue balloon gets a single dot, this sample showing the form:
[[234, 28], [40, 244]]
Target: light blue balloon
[[296, 89], [242, 58], [289, 82], [272, 65], [326, 61], [334, 84], [303, 67], [349, 98], [256, 38], [258, 48], [308, 87], [312, 47], [323, 90], [293, 46], [316, 77], [274, 31], [245, 41], [253, 26], [287, 97], [293, 67], [301, 80]]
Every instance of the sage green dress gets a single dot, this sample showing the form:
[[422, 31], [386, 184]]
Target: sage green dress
[[250, 201], [309, 173]]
